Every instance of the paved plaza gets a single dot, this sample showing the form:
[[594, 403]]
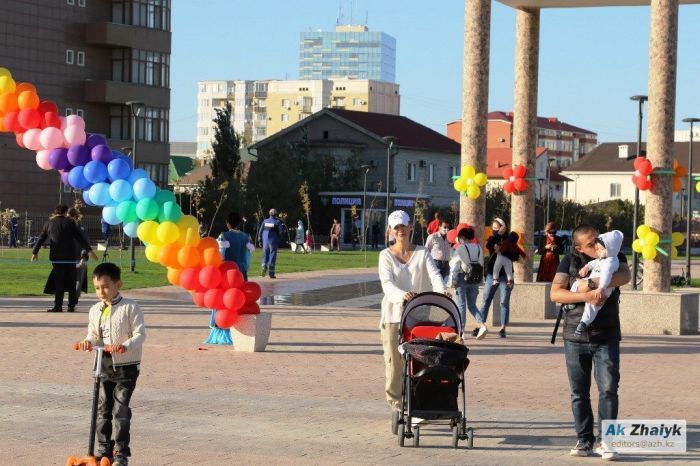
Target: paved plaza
[[316, 395]]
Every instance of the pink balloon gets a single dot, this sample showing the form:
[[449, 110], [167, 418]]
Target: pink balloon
[[75, 135], [64, 125], [75, 120], [52, 138], [31, 139], [42, 159]]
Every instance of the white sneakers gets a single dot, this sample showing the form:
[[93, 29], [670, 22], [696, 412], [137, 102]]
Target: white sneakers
[[482, 333], [605, 453]]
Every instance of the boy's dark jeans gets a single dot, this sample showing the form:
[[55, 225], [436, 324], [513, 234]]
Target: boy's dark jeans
[[580, 358], [117, 386]]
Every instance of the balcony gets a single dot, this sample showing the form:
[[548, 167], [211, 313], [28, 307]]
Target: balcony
[[122, 35], [115, 92]]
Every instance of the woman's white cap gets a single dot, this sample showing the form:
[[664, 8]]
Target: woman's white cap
[[398, 217]]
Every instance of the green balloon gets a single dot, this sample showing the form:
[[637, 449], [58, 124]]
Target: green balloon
[[126, 211], [164, 196], [169, 212], [147, 209]]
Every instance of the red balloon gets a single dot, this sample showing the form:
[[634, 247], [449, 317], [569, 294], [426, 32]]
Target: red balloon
[[452, 236], [210, 277], [232, 279], [50, 120], [508, 187], [19, 138], [29, 118], [48, 107], [11, 123], [519, 171], [234, 299], [507, 173], [225, 318], [637, 161], [645, 167], [198, 298], [250, 308], [228, 265], [214, 298], [252, 292], [520, 184], [189, 279]]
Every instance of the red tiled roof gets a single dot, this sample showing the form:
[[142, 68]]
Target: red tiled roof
[[195, 176], [542, 122], [408, 133], [497, 159]]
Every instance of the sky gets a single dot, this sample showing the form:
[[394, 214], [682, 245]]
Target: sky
[[591, 59]]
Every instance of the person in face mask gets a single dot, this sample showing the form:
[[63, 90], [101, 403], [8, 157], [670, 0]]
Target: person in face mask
[[440, 249]]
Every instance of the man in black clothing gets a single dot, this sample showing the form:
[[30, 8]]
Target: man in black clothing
[[599, 346], [62, 233]]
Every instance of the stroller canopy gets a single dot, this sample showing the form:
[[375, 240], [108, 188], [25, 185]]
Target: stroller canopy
[[432, 309]]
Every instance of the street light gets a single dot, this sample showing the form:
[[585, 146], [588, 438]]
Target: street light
[[635, 257], [391, 149], [135, 107], [549, 179], [689, 211], [366, 169]]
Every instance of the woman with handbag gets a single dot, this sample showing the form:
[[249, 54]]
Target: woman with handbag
[[466, 273]]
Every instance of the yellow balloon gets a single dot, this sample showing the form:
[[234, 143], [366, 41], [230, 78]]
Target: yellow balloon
[[473, 192], [697, 186], [152, 252], [188, 221], [480, 179], [5, 72], [652, 238], [188, 236], [168, 232], [468, 171], [7, 84], [649, 252], [674, 252], [643, 230], [460, 184], [146, 231], [638, 245], [677, 238]]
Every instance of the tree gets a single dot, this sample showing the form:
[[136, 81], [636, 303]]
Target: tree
[[221, 190]]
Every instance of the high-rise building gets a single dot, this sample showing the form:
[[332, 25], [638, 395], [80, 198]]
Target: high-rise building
[[90, 58], [349, 51], [262, 108]]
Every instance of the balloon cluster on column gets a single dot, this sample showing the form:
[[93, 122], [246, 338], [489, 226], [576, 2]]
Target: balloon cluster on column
[[642, 173], [127, 196], [469, 183], [515, 179], [648, 240], [679, 172]]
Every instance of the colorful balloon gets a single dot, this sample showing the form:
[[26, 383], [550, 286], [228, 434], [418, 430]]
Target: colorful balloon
[[95, 172], [120, 190], [225, 318], [78, 154], [147, 209]]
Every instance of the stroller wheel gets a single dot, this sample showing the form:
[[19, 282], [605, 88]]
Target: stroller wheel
[[470, 438], [402, 437], [455, 436], [394, 422], [416, 436]]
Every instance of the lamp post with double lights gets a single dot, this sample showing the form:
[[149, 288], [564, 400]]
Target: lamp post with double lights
[[136, 107], [391, 150], [635, 257], [365, 169], [689, 190]]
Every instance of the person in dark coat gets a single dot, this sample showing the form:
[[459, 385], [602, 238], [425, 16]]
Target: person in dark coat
[[81, 256], [14, 225], [63, 233], [549, 247]]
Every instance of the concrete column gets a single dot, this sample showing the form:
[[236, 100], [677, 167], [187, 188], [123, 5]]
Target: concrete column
[[527, 48], [475, 99], [663, 41]]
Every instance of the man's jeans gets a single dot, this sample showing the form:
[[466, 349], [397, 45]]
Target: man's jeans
[[489, 293], [466, 299], [269, 257], [580, 358], [116, 388]]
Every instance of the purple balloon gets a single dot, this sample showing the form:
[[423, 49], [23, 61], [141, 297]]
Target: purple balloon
[[95, 140], [64, 177], [78, 155], [101, 153], [58, 159]]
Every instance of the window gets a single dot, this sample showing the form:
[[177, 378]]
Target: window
[[70, 2], [80, 112], [203, 102], [411, 172], [453, 172], [203, 131], [152, 124], [69, 56], [260, 131], [81, 58], [81, 3], [69, 111], [142, 67], [615, 190], [154, 14], [285, 102], [285, 117], [431, 173], [325, 135], [202, 88]]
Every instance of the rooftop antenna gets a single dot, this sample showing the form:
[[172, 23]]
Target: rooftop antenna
[[339, 21], [352, 4], [366, 17]]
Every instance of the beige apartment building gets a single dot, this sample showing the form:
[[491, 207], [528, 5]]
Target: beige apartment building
[[263, 108]]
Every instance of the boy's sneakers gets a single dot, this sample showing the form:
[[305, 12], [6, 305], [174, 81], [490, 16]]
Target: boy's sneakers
[[603, 450], [120, 460], [582, 448], [580, 328]]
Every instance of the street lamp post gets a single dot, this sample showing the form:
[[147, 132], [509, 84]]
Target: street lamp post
[[366, 169], [135, 107], [635, 257], [549, 179], [390, 150], [689, 190]]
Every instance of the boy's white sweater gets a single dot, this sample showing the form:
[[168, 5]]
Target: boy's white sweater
[[127, 328]]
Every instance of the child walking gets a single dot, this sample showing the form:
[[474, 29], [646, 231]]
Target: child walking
[[507, 246], [115, 321]]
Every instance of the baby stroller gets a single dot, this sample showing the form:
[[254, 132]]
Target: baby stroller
[[433, 369]]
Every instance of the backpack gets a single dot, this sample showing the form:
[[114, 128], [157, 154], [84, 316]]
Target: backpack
[[473, 271]]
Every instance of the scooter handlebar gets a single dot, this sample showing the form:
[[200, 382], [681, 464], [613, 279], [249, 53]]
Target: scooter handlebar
[[106, 348]]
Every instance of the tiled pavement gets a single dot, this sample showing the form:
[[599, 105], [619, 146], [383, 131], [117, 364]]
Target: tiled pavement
[[316, 395]]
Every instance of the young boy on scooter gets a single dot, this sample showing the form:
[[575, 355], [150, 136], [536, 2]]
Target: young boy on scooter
[[115, 321]]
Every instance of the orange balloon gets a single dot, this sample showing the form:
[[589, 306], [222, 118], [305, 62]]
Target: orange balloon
[[189, 256], [212, 256], [8, 102], [677, 184], [28, 99], [168, 256], [174, 276], [21, 87], [206, 243]]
